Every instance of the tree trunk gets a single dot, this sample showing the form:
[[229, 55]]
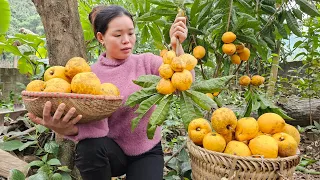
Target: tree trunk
[[65, 40], [63, 30], [274, 70]]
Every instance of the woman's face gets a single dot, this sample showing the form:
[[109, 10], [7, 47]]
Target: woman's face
[[119, 39]]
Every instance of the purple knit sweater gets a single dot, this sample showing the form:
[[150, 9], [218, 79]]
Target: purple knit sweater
[[118, 125]]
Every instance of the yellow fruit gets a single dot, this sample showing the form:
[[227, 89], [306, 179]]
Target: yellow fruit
[[163, 52], [178, 64], [286, 144], [165, 86], [214, 142], [229, 49], [228, 37], [215, 94], [235, 59], [165, 71], [265, 146], [292, 131], [244, 80], [182, 80], [228, 137], [189, 60], [76, 65], [56, 72], [271, 123], [224, 120], [245, 54], [257, 80], [168, 57], [36, 86], [261, 133], [247, 128], [57, 85], [109, 89], [197, 129], [199, 52], [210, 95], [86, 83], [237, 148], [239, 48]]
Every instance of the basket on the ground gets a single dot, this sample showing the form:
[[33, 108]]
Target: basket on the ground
[[210, 165], [91, 107]]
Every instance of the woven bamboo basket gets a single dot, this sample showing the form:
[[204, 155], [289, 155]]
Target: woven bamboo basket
[[91, 107], [210, 165]]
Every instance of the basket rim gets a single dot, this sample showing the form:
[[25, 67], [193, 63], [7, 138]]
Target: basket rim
[[250, 158], [69, 95]]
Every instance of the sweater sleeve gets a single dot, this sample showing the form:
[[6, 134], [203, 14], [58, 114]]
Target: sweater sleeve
[[154, 61], [91, 130]]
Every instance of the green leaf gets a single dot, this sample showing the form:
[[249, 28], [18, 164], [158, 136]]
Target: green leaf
[[147, 80], [64, 169], [282, 16], [205, 11], [187, 110], [269, 41], [36, 163], [27, 144], [293, 24], [15, 174], [159, 115], [148, 17], [144, 34], [54, 162], [282, 31], [144, 107], [308, 8], [66, 176], [164, 12], [56, 176], [269, 2], [5, 16], [240, 23], [10, 145], [245, 4], [51, 147], [156, 33], [165, 3], [44, 158], [41, 129], [201, 99], [139, 96], [24, 66], [211, 85], [268, 9], [297, 13], [251, 39], [196, 31], [194, 9], [281, 113], [38, 176], [248, 109]]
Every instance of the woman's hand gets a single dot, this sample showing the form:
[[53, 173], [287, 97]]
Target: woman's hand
[[61, 125], [178, 31]]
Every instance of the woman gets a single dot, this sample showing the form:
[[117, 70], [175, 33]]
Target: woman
[[108, 147]]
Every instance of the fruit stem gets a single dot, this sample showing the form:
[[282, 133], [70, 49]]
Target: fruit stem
[[229, 16]]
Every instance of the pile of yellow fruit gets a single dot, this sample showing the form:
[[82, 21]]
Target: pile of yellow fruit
[[74, 77], [175, 70], [255, 80], [237, 52], [267, 137]]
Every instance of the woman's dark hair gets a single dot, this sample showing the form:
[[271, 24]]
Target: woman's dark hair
[[94, 11], [105, 15]]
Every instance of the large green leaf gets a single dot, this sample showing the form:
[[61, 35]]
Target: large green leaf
[[147, 80], [308, 8], [164, 3], [194, 9], [187, 110], [293, 24], [148, 17], [205, 11], [245, 4], [211, 85], [159, 115], [297, 13], [144, 34], [282, 31], [5, 16], [139, 96], [156, 33], [164, 12], [10, 145], [268, 9], [201, 99], [247, 38], [15, 174], [144, 107]]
